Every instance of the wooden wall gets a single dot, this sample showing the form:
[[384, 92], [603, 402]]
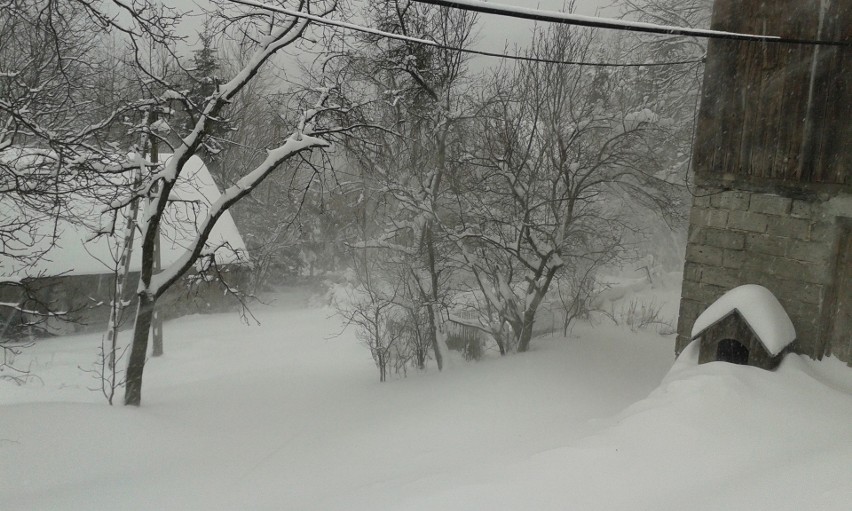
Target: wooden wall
[[778, 112]]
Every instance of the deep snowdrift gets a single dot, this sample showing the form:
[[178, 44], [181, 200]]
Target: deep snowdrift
[[281, 416]]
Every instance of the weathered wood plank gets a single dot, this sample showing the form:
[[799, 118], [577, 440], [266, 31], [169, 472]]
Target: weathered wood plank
[[772, 111]]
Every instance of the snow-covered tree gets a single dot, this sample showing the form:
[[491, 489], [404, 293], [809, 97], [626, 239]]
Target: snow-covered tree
[[672, 92], [564, 154], [406, 168], [55, 123], [65, 103], [306, 134]]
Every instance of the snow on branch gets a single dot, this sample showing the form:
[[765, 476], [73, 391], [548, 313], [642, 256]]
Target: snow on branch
[[296, 144]]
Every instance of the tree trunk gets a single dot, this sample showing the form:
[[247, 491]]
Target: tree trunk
[[433, 337], [421, 353], [433, 298], [525, 338], [157, 319], [499, 335], [498, 338], [382, 365], [532, 309], [139, 350], [526, 330]]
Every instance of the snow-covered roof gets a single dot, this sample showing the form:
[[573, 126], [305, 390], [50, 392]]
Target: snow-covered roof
[[759, 308], [76, 253]]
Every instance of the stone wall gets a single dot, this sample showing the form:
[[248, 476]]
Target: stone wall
[[789, 245]]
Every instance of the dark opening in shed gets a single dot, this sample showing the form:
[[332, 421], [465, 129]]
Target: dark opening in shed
[[732, 340], [733, 351]]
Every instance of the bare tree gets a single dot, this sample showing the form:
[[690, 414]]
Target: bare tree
[[406, 169], [54, 126], [372, 306], [577, 286], [268, 39], [564, 153], [672, 92], [57, 143]]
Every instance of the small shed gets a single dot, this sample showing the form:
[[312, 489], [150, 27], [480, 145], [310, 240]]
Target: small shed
[[75, 276], [747, 325]]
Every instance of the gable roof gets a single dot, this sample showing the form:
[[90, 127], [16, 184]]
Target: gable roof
[[78, 252], [760, 310]]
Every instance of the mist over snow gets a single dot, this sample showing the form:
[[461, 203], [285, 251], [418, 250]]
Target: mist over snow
[[288, 415]]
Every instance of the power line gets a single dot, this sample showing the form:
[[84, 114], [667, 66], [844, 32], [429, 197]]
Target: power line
[[568, 62], [629, 26], [434, 44]]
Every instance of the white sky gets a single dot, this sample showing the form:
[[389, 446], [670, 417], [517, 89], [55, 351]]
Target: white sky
[[495, 32]]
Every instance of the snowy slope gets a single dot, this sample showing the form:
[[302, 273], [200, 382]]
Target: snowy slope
[[282, 416]]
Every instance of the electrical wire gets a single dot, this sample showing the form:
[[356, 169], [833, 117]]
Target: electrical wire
[[629, 26], [434, 44]]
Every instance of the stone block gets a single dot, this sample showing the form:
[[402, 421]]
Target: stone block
[[702, 254], [801, 271], [709, 293], [723, 238], [723, 277], [804, 209], [717, 218], [748, 221], [701, 199], [809, 251], [689, 309], [769, 281], [763, 244], [688, 313], [697, 217], [789, 289], [802, 291], [839, 206], [733, 258], [702, 293], [733, 200], [706, 217], [788, 227], [805, 315], [758, 264], [817, 274], [823, 232], [770, 204], [691, 290], [695, 234], [789, 268], [692, 272]]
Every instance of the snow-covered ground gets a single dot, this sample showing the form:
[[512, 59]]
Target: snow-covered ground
[[283, 416]]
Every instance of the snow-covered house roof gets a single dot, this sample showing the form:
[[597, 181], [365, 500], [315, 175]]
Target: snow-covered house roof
[[78, 251], [760, 310]]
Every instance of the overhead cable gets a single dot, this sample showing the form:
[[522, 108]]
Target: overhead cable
[[613, 24], [435, 44]]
